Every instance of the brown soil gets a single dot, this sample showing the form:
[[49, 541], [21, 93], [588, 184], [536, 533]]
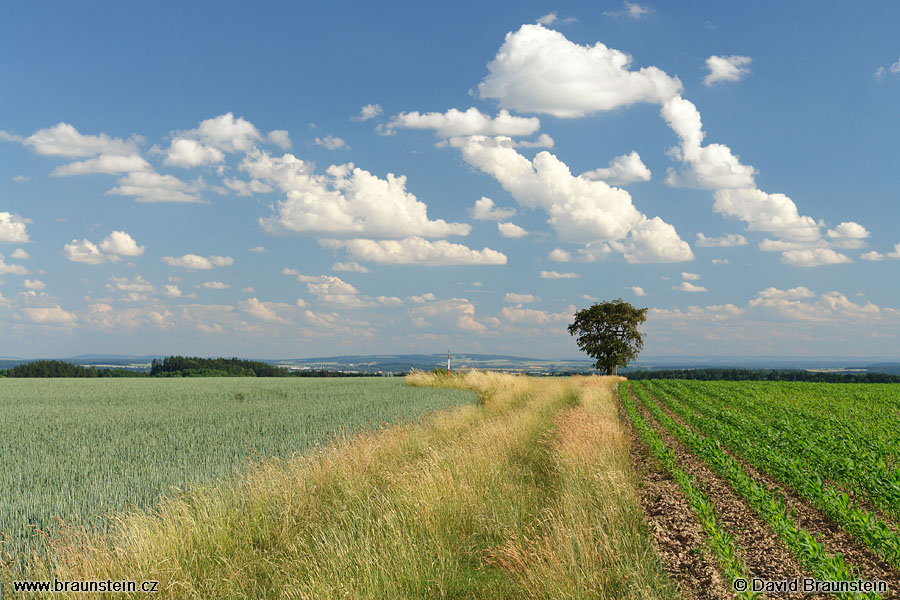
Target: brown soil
[[836, 539], [677, 535]]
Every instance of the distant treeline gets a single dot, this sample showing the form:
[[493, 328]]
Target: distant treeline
[[58, 368], [173, 366], [763, 375]]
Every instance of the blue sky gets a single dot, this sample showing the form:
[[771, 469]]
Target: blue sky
[[288, 181]]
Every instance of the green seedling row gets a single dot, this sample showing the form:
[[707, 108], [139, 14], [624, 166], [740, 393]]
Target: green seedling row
[[755, 444], [847, 445], [721, 542], [830, 447], [810, 552]]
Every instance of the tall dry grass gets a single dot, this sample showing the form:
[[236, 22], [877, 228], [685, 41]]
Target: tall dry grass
[[530, 494]]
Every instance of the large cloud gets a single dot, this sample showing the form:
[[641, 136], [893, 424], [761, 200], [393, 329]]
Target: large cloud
[[345, 201], [581, 210], [539, 70]]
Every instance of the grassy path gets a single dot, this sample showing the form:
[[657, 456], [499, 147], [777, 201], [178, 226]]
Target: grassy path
[[530, 494]]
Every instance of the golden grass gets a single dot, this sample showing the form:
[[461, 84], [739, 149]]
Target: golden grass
[[528, 495]]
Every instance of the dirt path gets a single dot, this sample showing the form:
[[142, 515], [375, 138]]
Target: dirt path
[[836, 539]]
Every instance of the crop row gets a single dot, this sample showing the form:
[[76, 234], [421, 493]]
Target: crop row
[[810, 553], [756, 444], [831, 447], [722, 544]]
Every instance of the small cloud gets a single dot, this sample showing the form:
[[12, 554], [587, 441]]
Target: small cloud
[[172, 291], [689, 276], [350, 266], [34, 284], [197, 263], [21, 178], [724, 241], [484, 210], [556, 275], [893, 68], [687, 286], [638, 290], [560, 255], [330, 142], [511, 230], [19, 254], [513, 298], [630, 10], [280, 138], [248, 290], [369, 111], [872, 256], [214, 285], [726, 68], [719, 261], [258, 249], [589, 298], [548, 19]]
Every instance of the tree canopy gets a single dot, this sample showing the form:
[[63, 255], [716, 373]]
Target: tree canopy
[[608, 332]]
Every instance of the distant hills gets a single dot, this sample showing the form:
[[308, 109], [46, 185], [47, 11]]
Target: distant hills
[[373, 363]]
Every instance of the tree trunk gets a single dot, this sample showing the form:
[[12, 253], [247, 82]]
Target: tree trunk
[[611, 370]]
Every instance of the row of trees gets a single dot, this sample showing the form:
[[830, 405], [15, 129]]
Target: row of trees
[[58, 368], [172, 366]]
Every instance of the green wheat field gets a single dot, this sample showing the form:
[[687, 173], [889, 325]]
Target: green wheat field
[[78, 449]]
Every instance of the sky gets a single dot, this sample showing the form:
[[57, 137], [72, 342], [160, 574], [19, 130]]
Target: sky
[[296, 180]]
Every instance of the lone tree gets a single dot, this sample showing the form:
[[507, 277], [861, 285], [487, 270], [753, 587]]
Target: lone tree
[[608, 332]]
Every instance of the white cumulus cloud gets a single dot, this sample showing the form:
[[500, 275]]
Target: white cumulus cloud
[[419, 251], [195, 262], [484, 210], [120, 243], [345, 201], [13, 229], [186, 152], [369, 111], [726, 68], [622, 170], [687, 286], [511, 230], [150, 186], [581, 210], [6, 269], [109, 164], [330, 142], [455, 123], [525, 76]]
